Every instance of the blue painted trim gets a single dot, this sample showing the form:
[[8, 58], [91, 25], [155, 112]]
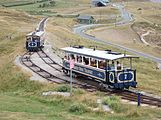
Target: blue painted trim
[[98, 74], [124, 85]]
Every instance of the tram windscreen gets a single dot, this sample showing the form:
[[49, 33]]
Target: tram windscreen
[[28, 38], [35, 38]]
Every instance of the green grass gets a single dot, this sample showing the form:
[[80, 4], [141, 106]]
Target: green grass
[[59, 108], [18, 3]]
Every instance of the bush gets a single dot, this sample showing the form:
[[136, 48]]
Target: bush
[[52, 3], [78, 91], [59, 16], [77, 108], [63, 88], [113, 102]]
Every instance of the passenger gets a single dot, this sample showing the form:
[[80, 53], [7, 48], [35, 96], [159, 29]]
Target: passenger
[[68, 58], [93, 63], [108, 67], [65, 57], [79, 59], [102, 64], [113, 65], [72, 56], [86, 62], [118, 66]]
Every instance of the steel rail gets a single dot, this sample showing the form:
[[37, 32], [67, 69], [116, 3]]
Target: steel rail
[[50, 64], [50, 76]]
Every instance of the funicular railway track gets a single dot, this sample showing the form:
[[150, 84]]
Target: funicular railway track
[[124, 94], [144, 99], [49, 61], [27, 61]]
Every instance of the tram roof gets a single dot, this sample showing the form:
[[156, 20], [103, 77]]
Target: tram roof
[[99, 54], [39, 33]]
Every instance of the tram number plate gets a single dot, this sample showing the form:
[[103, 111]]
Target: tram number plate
[[32, 44]]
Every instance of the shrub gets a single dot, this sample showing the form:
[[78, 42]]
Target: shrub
[[78, 91], [52, 3], [113, 102], [59, 16], [77, 108], [63, 88]]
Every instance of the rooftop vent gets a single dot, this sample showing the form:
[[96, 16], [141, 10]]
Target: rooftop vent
[[108, 51], [114, 53], [37, 30], [34, 33], [78, 46]]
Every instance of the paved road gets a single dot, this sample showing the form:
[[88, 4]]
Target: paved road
[[127, 18]]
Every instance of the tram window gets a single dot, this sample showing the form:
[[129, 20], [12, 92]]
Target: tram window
[[72, 56], [93, 62], [111, 65], [79, 59], [101, 64], [28, 38], [86, 60], [118, 65], [108, 67], [68, 56], [65, 57], [35, 38]]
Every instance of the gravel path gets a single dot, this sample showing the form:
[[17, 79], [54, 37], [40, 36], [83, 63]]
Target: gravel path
[[142, 37]]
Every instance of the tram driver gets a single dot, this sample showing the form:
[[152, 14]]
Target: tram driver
[[118, 65]]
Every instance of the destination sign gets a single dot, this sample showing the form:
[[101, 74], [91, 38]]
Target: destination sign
[[83, 69]]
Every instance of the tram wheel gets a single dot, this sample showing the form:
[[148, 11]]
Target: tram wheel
[[101, 86]]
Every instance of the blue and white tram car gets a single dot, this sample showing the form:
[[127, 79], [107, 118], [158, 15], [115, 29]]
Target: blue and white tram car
[[110, 68], [35, 41]]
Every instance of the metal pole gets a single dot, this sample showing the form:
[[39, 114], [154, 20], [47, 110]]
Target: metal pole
[[70, 82], [115, 21], [139, 102], [130, 63]]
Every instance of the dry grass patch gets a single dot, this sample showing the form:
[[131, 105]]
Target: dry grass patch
[[100, 11], [145, 10]]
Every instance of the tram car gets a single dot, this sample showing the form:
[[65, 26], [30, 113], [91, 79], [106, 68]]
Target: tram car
[[35, 41], [113, 70]]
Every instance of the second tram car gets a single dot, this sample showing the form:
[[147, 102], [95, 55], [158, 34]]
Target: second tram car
[[112, 69], [35, 41]]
